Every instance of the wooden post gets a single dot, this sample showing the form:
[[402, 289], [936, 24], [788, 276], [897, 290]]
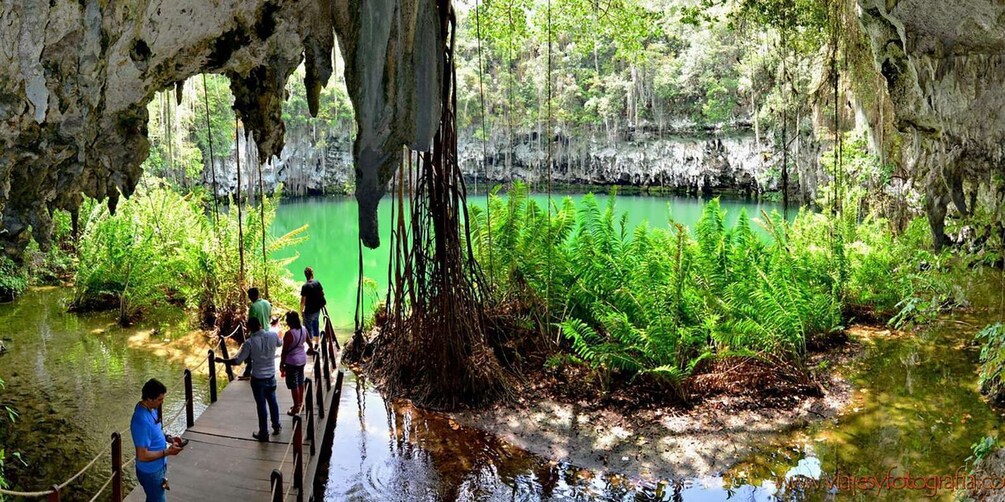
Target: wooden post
[[277, 486], [298, 453], [226, 355], [189, 405], [309, 397], [54, 496], [116, 467], [325, 368], [329, 328], [320, 389], [332, 342], [212, 376]]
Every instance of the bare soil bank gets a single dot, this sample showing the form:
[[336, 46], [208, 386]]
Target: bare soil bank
[[665, 442]]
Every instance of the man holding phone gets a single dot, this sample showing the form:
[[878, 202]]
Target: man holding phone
[[152, 445]]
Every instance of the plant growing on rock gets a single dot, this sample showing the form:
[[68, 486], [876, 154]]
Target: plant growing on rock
[[13, 279]]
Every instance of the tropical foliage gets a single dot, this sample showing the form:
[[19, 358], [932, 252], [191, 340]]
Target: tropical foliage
[[161, 246], [657, 302], [7, 414], [992, 338], [13, 279]]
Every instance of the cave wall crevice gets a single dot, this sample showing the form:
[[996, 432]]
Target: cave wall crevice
[[943, 64]]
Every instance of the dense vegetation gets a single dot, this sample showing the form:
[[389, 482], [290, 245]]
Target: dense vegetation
[[657, 303], [7, 415], [589, 71], [162, 246], [185, 134], [620, 65]]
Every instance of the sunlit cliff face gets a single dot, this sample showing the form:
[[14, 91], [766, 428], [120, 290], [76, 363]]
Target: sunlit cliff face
[[944, 65], [75, 79]]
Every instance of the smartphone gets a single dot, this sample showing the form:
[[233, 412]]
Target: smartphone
[[184, 443]]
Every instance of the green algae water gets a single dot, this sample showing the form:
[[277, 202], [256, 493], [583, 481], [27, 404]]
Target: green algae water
[[916, 411], [73, 380], [333, 249]]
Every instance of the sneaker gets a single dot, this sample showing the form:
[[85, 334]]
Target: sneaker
[[261, 436]]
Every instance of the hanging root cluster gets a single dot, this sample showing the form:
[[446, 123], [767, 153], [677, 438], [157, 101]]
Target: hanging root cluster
[[431, 345]]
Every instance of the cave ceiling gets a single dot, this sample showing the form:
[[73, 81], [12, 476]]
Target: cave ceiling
[[76, 78]]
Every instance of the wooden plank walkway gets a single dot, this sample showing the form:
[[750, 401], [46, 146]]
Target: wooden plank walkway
[[223, 462]]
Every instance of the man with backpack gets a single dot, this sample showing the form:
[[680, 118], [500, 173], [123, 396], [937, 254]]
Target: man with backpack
[[312, 299]]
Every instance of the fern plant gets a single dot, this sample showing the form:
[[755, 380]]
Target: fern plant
[[655, 303], [992, 340], [161, 246]]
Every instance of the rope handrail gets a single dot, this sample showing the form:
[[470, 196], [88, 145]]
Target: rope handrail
[[102, 489], [60, 486], [289, 446], [86, 468], [103, 452], [108, 447], [14, 493], [232, 333], [289, 488]]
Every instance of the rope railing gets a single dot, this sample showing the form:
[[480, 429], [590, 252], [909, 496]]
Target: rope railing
[[187, 406], [57, 488], [232, 333], [295, 444], [102, 489]]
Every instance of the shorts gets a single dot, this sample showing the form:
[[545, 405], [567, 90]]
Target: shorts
[[294, 376], [313, 322]]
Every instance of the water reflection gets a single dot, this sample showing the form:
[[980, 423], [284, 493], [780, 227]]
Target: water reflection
[[916, 411], [74, 380], [389, 450]]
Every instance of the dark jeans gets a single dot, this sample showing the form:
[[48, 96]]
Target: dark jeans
[[264, 390], [313, 322], [152, 484]]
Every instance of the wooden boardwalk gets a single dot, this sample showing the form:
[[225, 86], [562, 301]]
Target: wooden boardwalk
[[223, 462]]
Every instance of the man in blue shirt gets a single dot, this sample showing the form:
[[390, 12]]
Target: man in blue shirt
[[152, 448], [260, 352]]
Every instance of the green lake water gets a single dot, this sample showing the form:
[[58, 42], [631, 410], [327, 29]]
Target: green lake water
[[74, 380], [916, 411], [332, 249]]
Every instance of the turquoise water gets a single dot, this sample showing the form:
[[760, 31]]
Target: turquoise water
[[333, 249]]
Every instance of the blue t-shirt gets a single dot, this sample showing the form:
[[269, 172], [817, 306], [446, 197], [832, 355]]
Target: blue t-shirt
[[147, 434]]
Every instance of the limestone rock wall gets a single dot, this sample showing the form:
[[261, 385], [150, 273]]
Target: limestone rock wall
[[944, 67], [722, 163], [76, 76], [717, 163], [75, 79]]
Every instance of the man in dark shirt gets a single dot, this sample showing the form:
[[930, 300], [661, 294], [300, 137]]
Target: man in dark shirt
[[312, 298]]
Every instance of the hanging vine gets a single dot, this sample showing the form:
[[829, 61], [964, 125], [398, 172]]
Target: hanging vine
[[433, 346]]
